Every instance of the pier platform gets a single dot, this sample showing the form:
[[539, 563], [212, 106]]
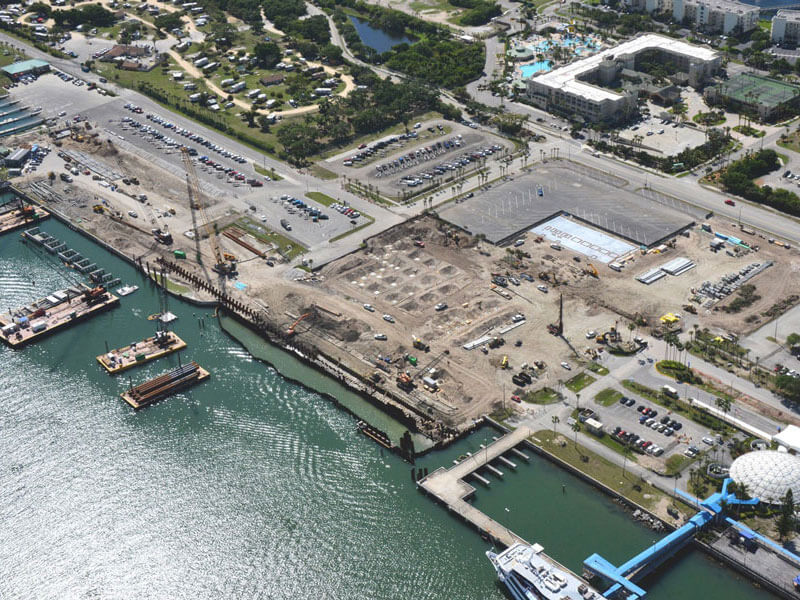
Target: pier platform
[[16, 218], [140, 353], [449, 488], [57, 311], [165, 385]]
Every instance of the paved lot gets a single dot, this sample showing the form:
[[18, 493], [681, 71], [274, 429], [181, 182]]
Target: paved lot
[[55, 96], [505, 210], [673, 140], [628, 418]]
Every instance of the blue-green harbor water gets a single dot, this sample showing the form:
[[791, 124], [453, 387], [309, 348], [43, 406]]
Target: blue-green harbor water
[[247, 485]]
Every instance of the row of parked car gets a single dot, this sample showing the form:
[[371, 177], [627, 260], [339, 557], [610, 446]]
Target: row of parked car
[[442, 168], [196, 138], [295, 205], [368, 151], [346, 211], [637, 443]]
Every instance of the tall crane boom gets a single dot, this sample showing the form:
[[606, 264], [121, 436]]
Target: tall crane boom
[[196, 203]]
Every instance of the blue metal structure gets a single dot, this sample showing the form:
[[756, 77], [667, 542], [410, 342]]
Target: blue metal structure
[[622, 577]]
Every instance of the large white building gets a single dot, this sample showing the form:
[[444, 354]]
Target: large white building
[[582, 88], [767, 474], [650, 6], [786, 27], [722, 16]]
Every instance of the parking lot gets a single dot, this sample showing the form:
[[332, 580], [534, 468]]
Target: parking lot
[[426, 155], [667, 137], [639, 421], [502, 211], [57, 96]]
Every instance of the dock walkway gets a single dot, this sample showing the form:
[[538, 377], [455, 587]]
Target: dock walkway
[[448, 487]]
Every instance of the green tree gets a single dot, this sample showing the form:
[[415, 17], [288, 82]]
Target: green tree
[[555, 420], [786, 523], [267, 54]]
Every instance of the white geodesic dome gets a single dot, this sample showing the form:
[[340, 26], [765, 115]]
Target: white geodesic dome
[[768, 474]]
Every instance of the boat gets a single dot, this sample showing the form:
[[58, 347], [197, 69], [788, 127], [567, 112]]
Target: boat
[[126, 290], [530, 575]]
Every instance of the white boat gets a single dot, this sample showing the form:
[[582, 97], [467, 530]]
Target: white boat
[[529, 575], [126, 290]]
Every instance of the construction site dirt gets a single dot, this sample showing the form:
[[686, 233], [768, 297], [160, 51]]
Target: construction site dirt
[[428, 289]]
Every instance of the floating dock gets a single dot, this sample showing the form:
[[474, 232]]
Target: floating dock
[[139, 353], [165, 385], [18, 216], [57, 311]]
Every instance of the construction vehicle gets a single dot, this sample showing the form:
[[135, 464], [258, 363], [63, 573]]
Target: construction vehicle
[[551, 277], [504, 363], [162, 237], [411, 359], [95, 295], [290, 331], [404, 382], [558, 328], [690, 308], [98, 208], [221, 266], [420, 345], [229, 257], [591, 270]]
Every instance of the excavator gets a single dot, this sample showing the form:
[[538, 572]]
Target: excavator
[[221, 265], [290, 331], [591, 270]]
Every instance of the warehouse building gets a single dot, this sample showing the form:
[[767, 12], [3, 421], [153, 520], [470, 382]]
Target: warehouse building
[[583, 90], [26, 67]]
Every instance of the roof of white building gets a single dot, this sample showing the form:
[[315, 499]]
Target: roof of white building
[[787, 15], [566, 78], [731, 6]]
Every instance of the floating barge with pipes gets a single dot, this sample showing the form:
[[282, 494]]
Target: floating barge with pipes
[[165, 385], [16, 215], [57, 311], [161, 344]]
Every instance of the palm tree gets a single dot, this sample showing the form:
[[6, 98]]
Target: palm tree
[[576, 427], [555, 420]]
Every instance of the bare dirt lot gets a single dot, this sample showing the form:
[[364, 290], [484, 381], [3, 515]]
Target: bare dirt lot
[[398, 277]]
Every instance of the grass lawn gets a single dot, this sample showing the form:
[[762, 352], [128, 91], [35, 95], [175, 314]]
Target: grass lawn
[[271, 173], [618, 447], [597, 368], [176, 288], [599, 468], [608, 397], [791, 142], [676, 463], [288, 248], [323, 199], [580, 381], [321, 172], [545, 395]]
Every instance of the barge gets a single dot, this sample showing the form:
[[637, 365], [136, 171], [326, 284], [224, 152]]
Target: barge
[[161, 344], [164, 385], [57, 311], [20, 215]]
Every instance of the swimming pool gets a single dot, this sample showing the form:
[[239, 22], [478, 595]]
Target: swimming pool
[[531, 69]]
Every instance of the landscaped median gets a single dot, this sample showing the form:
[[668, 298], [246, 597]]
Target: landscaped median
[[608, 396], [545, 395], [580, 381]]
